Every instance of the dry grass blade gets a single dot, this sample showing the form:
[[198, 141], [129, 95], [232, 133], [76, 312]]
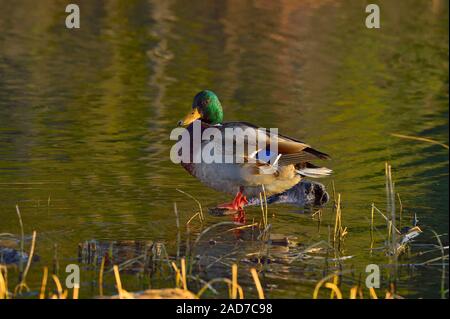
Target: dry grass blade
[[423, 139], [43, 284], [257, 283], [264, 209], [385, 218], [265, 206], [353, 292], [30, 256], [22, 283], [3, 285], [400, 211], [373, 294], [325, 279], [441, 247], [391, 205], [212, 227], [183, 274], [335, 283], [192, 218], [335, 289], [22, 235], [242, 227], [180, 275], [234, 282], [309, 249], [209, 284], [100, 277], [177, 275], [177, 221], [339, 231], [76, 290], [120, 290], [319, 285], [372, 227], [202, 217], [58, 287]]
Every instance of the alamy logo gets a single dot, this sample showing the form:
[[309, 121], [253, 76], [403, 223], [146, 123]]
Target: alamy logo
[[73, 19], [373, 277], [73, 279], [373, 19]]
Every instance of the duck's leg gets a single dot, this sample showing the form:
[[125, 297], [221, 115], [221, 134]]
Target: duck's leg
[[238, 202], [238, 205]]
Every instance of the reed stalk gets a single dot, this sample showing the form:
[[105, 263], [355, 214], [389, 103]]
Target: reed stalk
[[43, 284], [257, 283], [100, 276]]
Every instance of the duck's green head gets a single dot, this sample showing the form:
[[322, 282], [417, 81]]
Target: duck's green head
[[206, 107]]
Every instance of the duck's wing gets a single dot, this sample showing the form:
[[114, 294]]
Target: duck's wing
[[292, 151]]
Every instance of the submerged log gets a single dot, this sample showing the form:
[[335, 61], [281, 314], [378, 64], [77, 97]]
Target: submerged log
[[304, 194]]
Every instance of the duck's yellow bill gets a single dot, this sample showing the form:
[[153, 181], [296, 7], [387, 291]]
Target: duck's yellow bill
[[191, 117]]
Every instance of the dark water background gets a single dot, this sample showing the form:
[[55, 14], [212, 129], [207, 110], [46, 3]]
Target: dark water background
[[85, 117]]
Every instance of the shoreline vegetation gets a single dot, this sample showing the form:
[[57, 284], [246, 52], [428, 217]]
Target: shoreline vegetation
[[393, 239]]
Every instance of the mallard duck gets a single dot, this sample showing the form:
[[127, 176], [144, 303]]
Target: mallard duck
[[246, 178]]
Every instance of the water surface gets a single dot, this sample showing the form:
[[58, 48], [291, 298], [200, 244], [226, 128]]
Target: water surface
[[85, 117]]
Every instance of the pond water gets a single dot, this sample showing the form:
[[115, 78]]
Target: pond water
[[85, 118]]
